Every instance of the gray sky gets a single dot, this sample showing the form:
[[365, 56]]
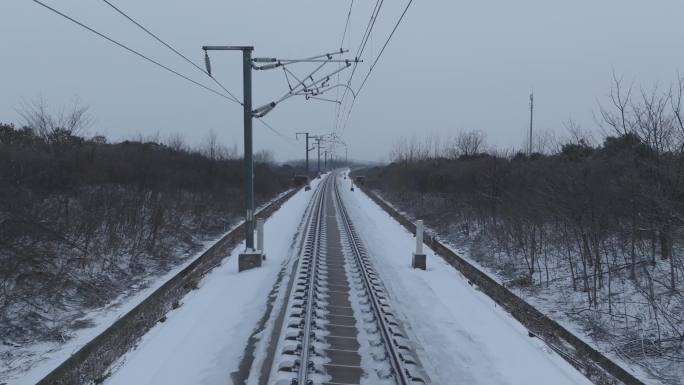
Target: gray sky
[[451, 66]]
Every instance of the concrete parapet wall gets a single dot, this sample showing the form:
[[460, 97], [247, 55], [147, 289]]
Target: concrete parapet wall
[[592, 363], [92, 361]]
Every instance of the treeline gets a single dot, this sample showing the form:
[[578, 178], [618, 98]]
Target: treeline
[[594, 229], [83, 221]]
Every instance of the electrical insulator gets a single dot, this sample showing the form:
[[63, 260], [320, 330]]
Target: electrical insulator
[[207, 63]]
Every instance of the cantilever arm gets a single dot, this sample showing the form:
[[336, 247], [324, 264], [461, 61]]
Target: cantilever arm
[[323, 90]]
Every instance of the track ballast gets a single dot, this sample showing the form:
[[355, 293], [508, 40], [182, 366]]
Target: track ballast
[[340, 327]]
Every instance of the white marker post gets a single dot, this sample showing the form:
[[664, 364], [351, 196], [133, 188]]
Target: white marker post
[[253, 258], [260, 237], [419, 259]]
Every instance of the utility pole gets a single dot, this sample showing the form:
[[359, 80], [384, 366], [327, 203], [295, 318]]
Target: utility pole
[[325, 164], [251, 254], [306, 148], [251, 257], [249, 161], [319, 139], [531, 120]]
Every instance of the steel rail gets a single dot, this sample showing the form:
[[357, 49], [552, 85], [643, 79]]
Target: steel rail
[[396, 362], [317, 224]]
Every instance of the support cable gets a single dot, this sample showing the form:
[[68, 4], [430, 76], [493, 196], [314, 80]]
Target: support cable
[[131, 50], [270, 127], [384, 46], [229, 95], [362, 47], [374, 19], [346, 24], [344, 35], [376, 61], [171, 48]]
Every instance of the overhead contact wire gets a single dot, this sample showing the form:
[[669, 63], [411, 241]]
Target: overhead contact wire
[[131, 50]]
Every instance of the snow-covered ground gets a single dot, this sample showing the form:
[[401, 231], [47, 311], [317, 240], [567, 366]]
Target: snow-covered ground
[[202, 341], [463, 336], [41, 359], [561, 302]]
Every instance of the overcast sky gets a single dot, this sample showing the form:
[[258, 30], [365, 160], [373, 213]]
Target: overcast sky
[[452, 65]]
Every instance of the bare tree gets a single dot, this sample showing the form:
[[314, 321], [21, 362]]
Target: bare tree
[[399, 151], [676, 99], [78, 230], [546, 142], [576, 134], [74, 120], [176, 142], [600, 216], [620, 98], [450, 150], [470, 143], [210, 147], [652, 122]]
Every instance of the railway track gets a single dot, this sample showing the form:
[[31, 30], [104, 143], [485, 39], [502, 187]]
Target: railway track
[[340, 328]]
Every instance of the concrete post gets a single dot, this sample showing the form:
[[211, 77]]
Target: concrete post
[[249, 258], [419, 259], [260, 235], [419, 237]]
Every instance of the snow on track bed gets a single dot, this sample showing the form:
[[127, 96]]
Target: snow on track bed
[[454, 330], [340, 327], [466, 339], [202, 341]]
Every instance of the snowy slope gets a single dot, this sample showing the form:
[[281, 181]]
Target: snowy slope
[[464, 337], [41, 359]]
